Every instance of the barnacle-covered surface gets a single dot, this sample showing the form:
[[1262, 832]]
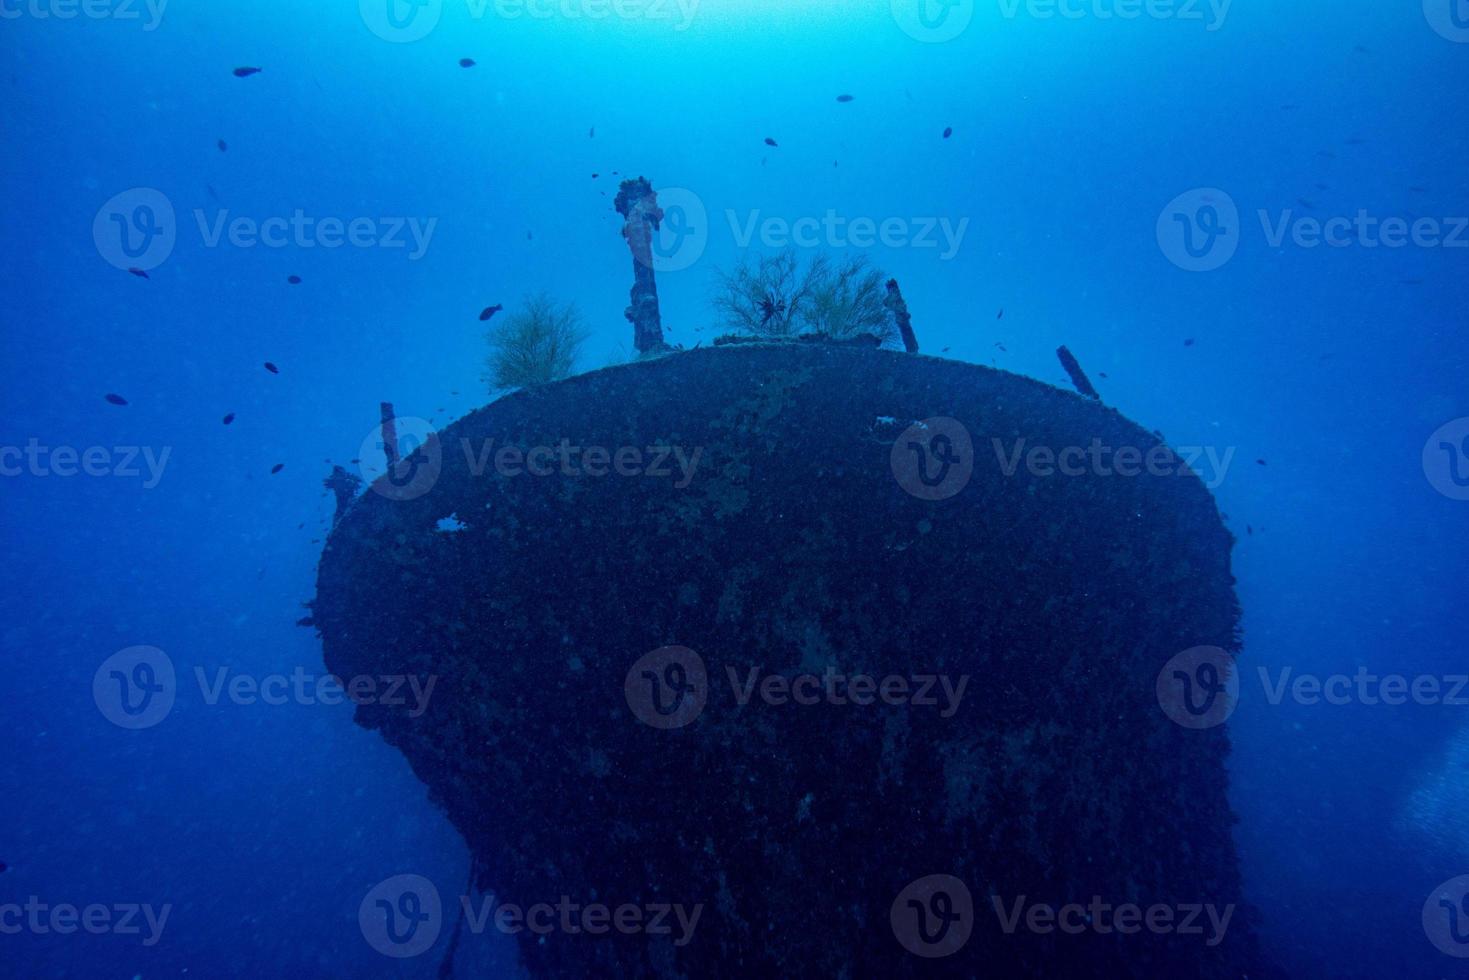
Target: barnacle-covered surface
[[795, 548]]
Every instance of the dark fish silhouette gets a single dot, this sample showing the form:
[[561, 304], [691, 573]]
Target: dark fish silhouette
[[272, 368], [246, 71], [212, 192], [770, 142], [277, 468], [1261, 462], [294, 280], [139, 273], [1001, 346], [1250, 529], [229, 418], [490, 311], [595, 176], [1102, 375], [1189, 342], [844, 98], [944, 351], [223, 146], [1002, 314], [466, 62], [4, 867], [116, 399], [592, 133], [948, 131]]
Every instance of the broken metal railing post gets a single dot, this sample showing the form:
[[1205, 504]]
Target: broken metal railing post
[[894, 302], [1078, 376], [390, 436], [637, 202]]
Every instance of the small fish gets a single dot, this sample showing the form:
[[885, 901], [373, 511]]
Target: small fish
[[595, 176], [466, 62], [139, 273], [228, 418], [116, 399], [1001, 315], [294, 280], [948, 131], [1189, 342], [944, 351], [272, 368], [1305, 204], [277, 468], [1261, 462], [4, 867], [212, 192], [844, 98], [770, 142], [223, 146], [1250, 529], [592, 133], [529, 236], [1001, 347], [490, 311], [246, 71], [1102, 374]]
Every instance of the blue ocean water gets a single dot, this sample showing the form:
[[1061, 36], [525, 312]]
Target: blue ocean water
[[1148, 185]]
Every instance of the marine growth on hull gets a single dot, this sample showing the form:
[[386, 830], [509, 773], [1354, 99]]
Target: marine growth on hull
[[804, 653]]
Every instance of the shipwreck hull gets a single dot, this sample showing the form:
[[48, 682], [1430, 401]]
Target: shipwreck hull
[[801, 542]]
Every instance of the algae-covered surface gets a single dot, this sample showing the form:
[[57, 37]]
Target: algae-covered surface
[[647, 595]]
